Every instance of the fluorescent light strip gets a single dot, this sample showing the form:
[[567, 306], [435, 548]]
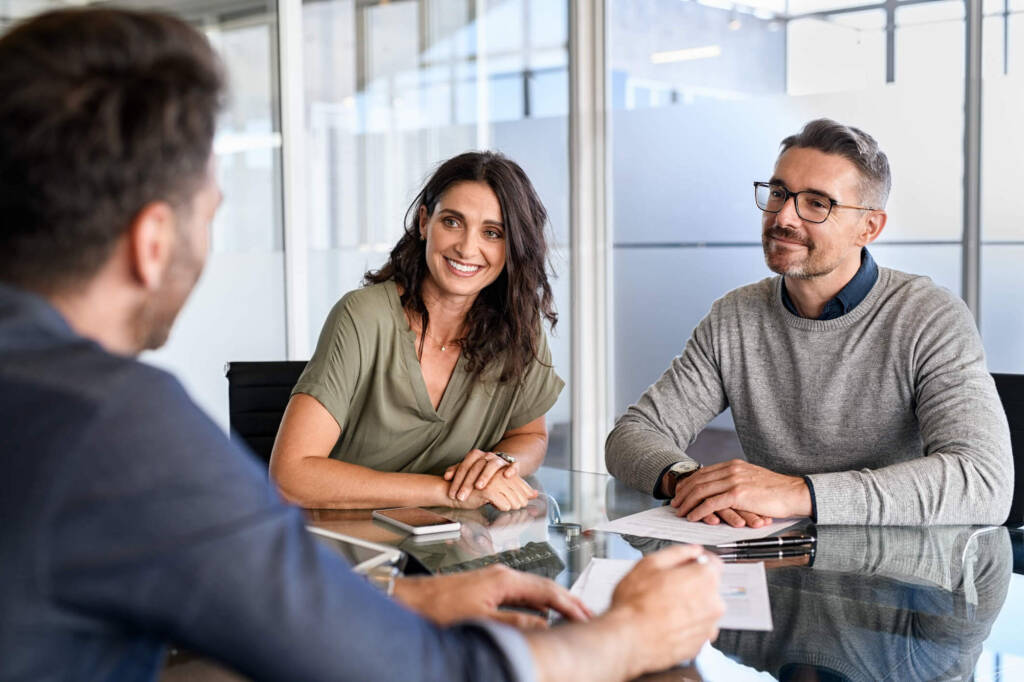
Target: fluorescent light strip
[[689, 54]]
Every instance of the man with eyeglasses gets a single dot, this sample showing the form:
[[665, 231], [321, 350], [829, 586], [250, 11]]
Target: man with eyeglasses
[[860, 393]]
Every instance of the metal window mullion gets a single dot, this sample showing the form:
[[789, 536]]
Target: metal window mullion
[[589, 229], [971, 270], [296, 253]]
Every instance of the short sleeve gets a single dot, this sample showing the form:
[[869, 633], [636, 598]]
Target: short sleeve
[[332, 374], [539, 389]]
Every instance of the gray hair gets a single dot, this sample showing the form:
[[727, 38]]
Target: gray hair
[[852, 144]]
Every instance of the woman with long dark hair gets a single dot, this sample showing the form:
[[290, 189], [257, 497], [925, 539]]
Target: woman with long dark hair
[[430, 384]]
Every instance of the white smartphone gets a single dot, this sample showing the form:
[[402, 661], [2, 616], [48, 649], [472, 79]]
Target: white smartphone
[[416, 520]]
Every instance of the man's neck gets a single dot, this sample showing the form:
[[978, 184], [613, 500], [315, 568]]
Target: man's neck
[[99, 313], [810, 295]]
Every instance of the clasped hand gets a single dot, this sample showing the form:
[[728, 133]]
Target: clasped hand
[[740, 493], [474, 483]]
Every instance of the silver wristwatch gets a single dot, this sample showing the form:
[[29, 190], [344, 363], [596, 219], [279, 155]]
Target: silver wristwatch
[[679, 471]]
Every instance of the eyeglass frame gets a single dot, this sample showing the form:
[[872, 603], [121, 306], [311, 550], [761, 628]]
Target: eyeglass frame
[[796, 205]]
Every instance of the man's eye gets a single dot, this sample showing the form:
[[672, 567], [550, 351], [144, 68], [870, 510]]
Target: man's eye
[[777, 193], [818, 202]]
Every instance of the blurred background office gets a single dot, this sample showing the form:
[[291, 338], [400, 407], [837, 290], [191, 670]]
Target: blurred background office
[[642, 123]]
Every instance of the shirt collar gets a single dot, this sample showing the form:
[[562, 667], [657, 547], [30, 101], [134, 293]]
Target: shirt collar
[[27, 310], [850, 296]]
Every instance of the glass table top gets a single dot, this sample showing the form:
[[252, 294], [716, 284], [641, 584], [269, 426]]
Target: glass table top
[[897, 603]]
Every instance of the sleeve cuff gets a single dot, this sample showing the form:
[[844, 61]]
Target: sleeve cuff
[[814, 500], [658, 495], [513, 645]]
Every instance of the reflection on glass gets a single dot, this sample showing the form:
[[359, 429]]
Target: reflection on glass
[[882, 603]]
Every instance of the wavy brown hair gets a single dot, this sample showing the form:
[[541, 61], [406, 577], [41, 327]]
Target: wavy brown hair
[[503, 325]]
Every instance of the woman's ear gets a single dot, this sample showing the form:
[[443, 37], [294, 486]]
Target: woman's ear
[[422, 214]]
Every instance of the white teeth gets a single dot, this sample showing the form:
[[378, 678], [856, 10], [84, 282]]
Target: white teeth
[[462, 268]]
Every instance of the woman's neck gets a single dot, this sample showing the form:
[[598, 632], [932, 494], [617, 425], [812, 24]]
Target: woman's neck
[[447, 313]]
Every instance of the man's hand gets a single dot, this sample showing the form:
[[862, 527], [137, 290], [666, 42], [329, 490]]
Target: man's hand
[[475, 471], [446, 599], [737, 518], [669, 606], [737, 485]]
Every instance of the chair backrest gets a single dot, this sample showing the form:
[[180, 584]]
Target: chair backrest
[[1011, 392], [258, 392]]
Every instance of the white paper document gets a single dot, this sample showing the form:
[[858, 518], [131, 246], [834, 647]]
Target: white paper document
[[662, 522], [743, 589]]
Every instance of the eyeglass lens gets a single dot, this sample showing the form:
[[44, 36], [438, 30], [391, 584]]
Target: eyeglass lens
[[809, 206]]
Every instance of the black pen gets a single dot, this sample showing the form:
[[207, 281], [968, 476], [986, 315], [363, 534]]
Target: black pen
[[777, 541], [760, 554]]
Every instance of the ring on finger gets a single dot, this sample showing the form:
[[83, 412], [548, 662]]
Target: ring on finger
[[509, 459]]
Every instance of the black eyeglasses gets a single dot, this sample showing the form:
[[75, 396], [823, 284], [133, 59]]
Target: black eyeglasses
[[810, 206]]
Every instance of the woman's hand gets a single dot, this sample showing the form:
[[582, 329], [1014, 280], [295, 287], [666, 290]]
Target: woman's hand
[[475, 471], [504, 493]]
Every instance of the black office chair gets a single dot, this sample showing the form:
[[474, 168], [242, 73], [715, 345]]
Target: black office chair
[[1011, 392], [258, 392]]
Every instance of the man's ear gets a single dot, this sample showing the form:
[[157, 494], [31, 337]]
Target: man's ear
[[873, 225], [151, 239]]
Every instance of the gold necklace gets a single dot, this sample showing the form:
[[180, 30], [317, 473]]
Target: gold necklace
[[442, 344]]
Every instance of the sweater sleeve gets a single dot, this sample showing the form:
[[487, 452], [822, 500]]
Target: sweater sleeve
[[966, 473], [655, 432]]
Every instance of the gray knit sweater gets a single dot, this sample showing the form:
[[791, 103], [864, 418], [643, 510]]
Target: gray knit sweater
[[889, 408]]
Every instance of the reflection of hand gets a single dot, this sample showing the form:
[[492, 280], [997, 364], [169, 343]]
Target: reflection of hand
[[446, 599], [474, 539], [736, 485], [504, 493], [475, 471], [670, 605]]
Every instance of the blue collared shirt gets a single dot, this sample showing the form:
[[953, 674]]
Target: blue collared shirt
[[849, 296]]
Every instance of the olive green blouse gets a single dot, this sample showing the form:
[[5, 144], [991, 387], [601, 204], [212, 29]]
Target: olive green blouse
[[365, 371]]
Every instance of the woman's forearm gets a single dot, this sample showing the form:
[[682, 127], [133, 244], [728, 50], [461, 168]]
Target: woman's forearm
[[528, 448], [325, 483]]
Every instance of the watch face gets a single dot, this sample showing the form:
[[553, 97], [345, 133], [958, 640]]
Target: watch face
[[683, 468]]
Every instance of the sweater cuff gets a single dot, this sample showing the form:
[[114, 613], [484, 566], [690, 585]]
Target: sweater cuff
[[658, 495], [814, 500]]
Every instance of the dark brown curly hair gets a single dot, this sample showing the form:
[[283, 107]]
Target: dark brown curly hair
[[503, 325]]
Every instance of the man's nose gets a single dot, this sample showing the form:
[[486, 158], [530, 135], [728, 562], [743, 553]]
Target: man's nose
[[787, 215]]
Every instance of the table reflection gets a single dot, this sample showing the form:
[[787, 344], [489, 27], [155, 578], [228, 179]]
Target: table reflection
[[872, 604]]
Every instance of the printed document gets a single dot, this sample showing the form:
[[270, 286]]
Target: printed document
[[743, 589], [662, 522]]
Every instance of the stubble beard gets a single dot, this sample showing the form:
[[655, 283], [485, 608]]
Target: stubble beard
[[805, 269], [155, 317]]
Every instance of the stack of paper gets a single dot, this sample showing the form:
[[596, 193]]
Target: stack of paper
[[743, 589], [662, 522]]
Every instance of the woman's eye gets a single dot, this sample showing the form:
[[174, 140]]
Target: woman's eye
[[492, 234], [450, 222]]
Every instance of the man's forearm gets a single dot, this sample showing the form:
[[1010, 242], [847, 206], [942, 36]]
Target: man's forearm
[[939, 489], [582, 652]]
